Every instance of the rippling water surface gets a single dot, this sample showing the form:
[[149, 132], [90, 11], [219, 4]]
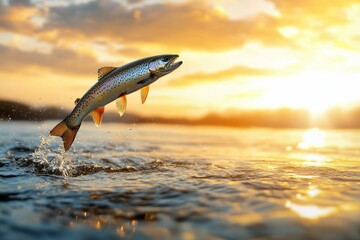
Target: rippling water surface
[[176, 182]]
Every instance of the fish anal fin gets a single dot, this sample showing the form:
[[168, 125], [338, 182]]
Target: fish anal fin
[[97, 115], [144, 93], [67, 134], [104, 70], [121, 104]]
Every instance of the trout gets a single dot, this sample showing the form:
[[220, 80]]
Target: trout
[[114, 83]]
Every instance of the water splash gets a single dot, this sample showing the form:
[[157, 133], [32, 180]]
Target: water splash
[[46, 160]]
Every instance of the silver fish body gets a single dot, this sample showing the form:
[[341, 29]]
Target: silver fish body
[[113, 85]]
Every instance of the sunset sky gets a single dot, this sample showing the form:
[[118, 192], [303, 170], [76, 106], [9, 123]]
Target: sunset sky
[[237, 54]]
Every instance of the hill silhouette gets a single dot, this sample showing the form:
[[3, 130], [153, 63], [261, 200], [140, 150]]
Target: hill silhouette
[[10, 110], [279, 118]]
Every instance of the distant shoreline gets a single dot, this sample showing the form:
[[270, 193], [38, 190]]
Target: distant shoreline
[[279, 118]]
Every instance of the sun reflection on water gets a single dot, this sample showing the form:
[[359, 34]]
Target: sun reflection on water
[[315, 160], [313, 191], [310, 211], [313, 138]]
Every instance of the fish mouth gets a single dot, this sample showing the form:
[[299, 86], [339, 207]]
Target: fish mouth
[[172, 65]]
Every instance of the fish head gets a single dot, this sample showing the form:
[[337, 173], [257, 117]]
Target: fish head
[[163, 64]]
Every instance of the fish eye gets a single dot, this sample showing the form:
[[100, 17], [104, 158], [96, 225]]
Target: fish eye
[[166, 59]]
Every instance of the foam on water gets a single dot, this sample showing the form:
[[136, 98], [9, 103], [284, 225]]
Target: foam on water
[[52, 161]]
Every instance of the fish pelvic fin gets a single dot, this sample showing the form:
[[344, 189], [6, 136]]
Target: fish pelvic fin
[[121, 103], [97, 115], [67, 134], [144, 93]]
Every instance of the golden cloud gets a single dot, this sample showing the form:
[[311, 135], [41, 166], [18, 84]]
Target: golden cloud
[[59, 60], [238, 71], [307, 23], [175, 26], [17, 18]]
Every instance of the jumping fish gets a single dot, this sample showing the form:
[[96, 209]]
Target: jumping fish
[[114, 83]]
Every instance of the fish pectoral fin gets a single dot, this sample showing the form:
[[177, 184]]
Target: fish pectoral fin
[[76, 101], [144, 93], [104, 70], [97, 115], [121, 104]]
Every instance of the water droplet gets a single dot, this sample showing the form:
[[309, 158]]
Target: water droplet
[[50, 160]]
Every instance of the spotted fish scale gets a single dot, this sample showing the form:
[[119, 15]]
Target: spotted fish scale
[[114, 84]]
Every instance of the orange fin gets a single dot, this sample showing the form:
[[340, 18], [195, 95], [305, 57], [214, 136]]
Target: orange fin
[[121, 104], [59, 129], [104, 70], [76, 101], [144, 93], [68, 135], [97, 115]]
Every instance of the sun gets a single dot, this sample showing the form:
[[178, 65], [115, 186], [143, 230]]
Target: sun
[[312, 90], [315, 91]]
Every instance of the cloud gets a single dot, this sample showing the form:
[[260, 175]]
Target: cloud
[[198, 26], [176, 26], [134, 1], [333, 11], [180, 26], [312, 23], [17, 17], [60, 60], [238, 71], [19, 3], [130, 52]]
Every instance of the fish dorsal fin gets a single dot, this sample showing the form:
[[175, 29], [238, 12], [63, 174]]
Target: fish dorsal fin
[[104, 70], [144, 93], [97, 115], [76, 101], [121, 105]]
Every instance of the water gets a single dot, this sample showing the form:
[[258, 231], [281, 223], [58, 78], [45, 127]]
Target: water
[[175, 182]]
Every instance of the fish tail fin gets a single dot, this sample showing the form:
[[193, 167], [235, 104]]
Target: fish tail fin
[[67, 134]]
